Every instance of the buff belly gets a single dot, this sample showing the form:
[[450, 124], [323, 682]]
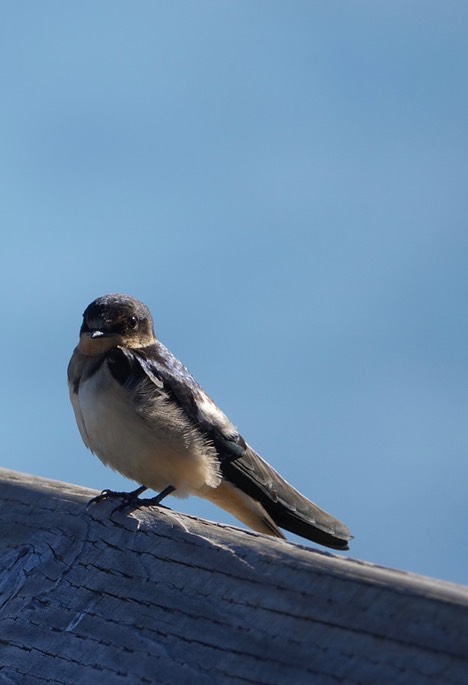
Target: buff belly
[[156, 449]]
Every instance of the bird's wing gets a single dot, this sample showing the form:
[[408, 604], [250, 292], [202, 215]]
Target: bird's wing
[[239, 463], [287, 507]]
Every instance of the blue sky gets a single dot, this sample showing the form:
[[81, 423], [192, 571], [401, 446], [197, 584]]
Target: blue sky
[[284, 184]]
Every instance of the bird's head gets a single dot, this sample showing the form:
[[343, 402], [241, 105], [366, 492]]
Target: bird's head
[[114, 320]]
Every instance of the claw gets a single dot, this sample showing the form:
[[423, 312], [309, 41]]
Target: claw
[[128, 497], [132, 500]]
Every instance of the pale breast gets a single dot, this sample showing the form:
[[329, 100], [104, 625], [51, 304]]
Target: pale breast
[[156, 447]]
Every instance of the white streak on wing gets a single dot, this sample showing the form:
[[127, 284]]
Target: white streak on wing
[[212, 413]]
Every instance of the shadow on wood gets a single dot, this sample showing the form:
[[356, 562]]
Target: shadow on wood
[[159, 597]]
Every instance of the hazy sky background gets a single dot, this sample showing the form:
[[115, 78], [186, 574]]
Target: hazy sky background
[[285, 185]]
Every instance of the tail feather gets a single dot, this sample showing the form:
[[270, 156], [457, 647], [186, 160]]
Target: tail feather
[[286, 506], [244, 507]]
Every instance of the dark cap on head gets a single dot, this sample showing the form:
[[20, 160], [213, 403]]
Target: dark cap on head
[[116, 313]]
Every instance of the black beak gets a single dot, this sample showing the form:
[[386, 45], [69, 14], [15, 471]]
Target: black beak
[[98, 334]]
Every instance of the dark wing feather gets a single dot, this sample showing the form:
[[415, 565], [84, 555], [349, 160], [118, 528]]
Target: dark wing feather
[[287, 507], [238, 462]]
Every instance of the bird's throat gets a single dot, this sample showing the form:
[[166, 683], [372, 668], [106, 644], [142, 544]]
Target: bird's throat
[[91, 347]]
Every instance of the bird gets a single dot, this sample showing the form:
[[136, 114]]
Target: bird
[[141, 411]]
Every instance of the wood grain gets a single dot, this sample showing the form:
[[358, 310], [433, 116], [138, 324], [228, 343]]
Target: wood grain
[[159, 597]]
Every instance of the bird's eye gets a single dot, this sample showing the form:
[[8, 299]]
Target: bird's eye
[[132, 322]]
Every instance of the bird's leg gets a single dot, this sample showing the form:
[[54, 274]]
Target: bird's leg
[[128, 497], [136, 503]]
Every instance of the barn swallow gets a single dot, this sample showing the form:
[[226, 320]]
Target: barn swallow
[[143, 414]]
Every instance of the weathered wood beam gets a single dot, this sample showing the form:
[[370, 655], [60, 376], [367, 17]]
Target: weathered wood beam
[[159, 597]]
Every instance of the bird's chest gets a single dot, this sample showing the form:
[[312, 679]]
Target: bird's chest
[[109, 421], [142, 434], [113, 428]]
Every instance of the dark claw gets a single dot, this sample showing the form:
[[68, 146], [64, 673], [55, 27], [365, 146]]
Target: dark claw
[[128, 501], [128, 497], [132, 500]]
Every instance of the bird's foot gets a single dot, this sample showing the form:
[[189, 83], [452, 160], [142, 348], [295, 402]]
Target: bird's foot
[[132, 500], [127, 497]]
